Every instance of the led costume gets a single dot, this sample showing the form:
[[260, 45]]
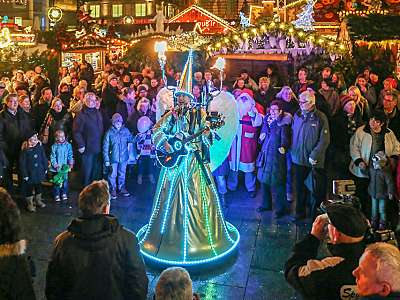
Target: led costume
[[187, 226]]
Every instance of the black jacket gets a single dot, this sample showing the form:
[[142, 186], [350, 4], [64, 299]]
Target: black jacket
[[10, 134], [265, 97], [392, 296], [88, 130], [96, 258], [39, 112], [15, 273], [327, 278], [110, 100]]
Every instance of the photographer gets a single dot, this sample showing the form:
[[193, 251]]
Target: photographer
[[330, 277]]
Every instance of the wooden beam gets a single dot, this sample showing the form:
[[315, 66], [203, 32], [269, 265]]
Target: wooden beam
[[253, 56]]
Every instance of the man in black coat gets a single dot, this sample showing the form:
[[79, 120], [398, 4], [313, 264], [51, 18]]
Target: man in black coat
[[10, 136], [88, 132], [110, 96], [392, 113], [329, 278], [96, 258]]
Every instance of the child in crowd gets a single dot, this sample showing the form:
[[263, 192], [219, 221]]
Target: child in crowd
[[116, 155], [33, 169], [146, 149], [380, 188], [61, 155], [271, 162]]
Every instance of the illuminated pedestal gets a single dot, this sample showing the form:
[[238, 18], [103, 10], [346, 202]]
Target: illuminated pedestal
[[212, 259]]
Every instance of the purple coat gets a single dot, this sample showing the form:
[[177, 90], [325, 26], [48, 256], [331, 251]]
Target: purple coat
[[88, 130], [270, 162]]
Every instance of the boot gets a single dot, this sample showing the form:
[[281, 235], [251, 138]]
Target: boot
[[30, 205], [39, 202]]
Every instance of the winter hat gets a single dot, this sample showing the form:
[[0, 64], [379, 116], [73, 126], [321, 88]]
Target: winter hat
[[111, 77], [116, 118], [348, 219], [345, 99], [142, 87], [28, 134]]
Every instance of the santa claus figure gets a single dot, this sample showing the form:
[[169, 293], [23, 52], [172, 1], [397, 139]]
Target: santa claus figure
[[243, 154]]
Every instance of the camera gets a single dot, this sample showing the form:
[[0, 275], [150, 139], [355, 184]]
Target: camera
[[343, 192]]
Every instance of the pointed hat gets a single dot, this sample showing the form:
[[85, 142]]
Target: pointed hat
[[186, 80]]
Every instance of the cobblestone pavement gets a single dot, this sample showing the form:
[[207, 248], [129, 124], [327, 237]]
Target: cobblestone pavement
[[256, 273]]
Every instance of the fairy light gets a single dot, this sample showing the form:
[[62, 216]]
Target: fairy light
[[205, 208], [170, 193], [185, 200]]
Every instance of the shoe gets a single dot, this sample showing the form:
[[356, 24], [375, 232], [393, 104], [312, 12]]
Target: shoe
[[123, 192], [38, 201], [113, 195], [57, 199], [289, 198], [151, 178], [64, 197], [262, 209], [253, 194], [30, 205], [139, 180]]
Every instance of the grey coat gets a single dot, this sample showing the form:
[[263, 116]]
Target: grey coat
[[310, 138], [115, 145]]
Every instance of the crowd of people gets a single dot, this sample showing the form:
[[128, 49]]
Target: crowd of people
[[294, 137]]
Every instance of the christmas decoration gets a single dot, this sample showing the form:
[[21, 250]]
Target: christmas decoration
[[244, 21], [305, 19]]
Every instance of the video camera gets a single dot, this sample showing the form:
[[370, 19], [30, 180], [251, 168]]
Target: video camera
[[343, 193]]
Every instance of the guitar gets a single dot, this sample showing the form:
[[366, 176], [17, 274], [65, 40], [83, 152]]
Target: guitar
[[179, 142]]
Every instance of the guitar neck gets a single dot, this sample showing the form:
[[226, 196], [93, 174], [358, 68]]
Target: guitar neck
[[194, 136]]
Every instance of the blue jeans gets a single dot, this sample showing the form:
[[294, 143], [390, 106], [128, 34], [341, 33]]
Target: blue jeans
[[378, 209], [59, 191], [117, 176]]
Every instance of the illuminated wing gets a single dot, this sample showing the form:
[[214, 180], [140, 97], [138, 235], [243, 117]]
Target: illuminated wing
[[226, 105], [164, 102]]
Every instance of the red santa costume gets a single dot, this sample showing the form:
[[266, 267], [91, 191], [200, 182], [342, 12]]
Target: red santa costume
[[243, 154]]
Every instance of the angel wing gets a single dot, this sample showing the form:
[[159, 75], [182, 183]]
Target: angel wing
[[226, 105], [164, 102]]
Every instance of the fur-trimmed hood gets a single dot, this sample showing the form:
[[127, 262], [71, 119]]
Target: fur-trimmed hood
[[17, 248]]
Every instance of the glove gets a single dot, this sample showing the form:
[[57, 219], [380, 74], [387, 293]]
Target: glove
[[281, 150], [107, 164], [252, 113], [262, 136], [81, 150], [312, 162], [26, 178]]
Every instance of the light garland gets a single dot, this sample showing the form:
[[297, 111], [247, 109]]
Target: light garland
[[345, 13], [231, 42], [186, 41]]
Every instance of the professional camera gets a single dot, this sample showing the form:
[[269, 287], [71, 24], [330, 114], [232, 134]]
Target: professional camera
[[343, 192]]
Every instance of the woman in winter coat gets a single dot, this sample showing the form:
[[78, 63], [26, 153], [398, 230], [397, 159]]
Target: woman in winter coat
[[271, 162], [361, 103], [116, 155], [58, 118], [15, 272]]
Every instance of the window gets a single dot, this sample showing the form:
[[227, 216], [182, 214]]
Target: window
[[116, 10], [18, 21], [140, 9], [94, 11], [149, 8]]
